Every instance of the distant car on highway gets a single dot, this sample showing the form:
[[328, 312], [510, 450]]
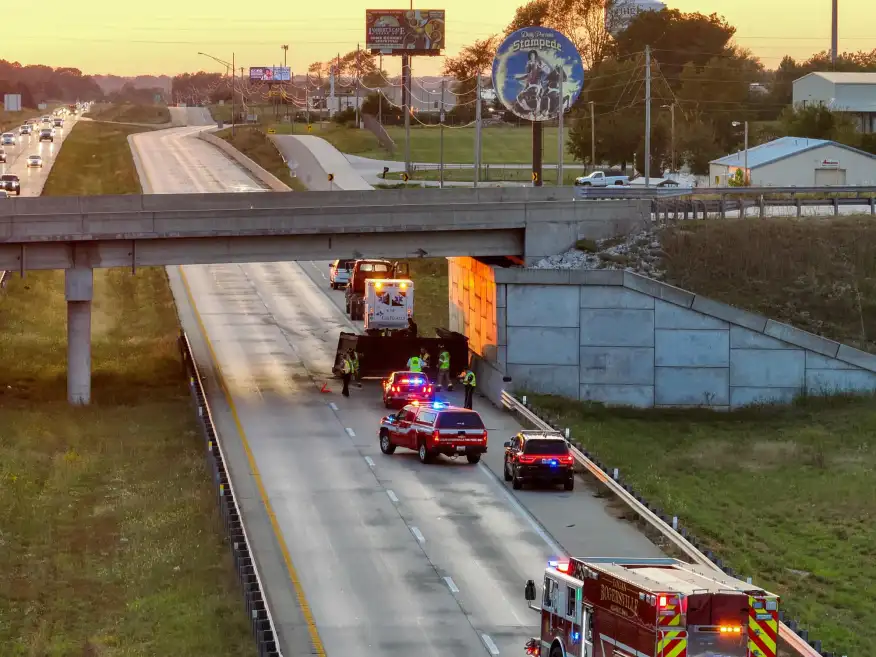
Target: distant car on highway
[[8, 139], [59, 123], [2, 156], [34, 161], [25, 130], [602, 179], [9, 182], [47, 134], [339, 273]]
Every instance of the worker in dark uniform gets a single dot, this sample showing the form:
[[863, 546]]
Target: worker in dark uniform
[[412, 328], [469, 382]]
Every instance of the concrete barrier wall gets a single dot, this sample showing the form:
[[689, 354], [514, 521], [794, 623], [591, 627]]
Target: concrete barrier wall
[[622, 339], [261, 174], [472, 292]]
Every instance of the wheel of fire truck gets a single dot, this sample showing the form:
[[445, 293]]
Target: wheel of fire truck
[[424, 454], [556, 650], [386, 445], [358, 312], [506, 472], [474, 459], [569, 484]]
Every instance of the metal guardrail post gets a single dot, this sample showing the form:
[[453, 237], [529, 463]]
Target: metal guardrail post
[[261, 621], [654, 517]]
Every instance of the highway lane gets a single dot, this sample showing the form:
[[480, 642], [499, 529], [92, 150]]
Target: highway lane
[[371, 582], [34, 179]]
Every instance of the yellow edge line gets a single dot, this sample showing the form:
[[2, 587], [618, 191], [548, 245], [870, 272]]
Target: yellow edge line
[[284, 549]]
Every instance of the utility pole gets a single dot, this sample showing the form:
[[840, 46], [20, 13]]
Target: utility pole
[[672, 138], [477, 155], [331, 107], [592, 135], [560, 132], [747, 182], [834, 33], [441, 139], [285, 50], [406, 91], [233, 77], [380, 93], [647, 116], [358, 77]]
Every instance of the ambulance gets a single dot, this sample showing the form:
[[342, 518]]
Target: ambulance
[[660, 607]]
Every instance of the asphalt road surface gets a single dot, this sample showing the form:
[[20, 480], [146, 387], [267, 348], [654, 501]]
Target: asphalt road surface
[[393, 557]]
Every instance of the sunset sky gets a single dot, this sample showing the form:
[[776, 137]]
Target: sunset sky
[[101, 37]]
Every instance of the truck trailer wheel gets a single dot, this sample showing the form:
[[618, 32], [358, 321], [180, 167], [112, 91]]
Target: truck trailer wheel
[[473, 458]]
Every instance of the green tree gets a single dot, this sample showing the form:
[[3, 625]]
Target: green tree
[[468, 64], [697, 144], [819, 122]]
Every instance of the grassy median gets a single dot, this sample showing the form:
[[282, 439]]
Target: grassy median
[[130, 113], [111, 541]]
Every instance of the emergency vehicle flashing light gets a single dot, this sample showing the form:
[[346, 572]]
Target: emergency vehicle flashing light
[[562, 566], [730, 629]]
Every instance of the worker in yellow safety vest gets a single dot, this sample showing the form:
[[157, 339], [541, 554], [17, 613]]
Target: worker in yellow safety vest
[[357, 373], [444, 369], [469, 382], [346, 373], [415, 364]]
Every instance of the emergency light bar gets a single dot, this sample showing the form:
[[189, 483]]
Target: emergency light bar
[[561, 566]]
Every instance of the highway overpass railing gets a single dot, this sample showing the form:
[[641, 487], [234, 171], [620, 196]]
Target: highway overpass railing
[[261, 621], [797, 639]]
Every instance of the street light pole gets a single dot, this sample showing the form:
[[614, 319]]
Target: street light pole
[[747, 181], [592, 135], [647, 116], [560, 131]]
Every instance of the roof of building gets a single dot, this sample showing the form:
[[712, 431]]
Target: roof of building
[[779, 149], [843, 78]]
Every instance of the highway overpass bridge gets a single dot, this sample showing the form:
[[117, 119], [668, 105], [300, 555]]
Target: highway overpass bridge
[[78, 234]]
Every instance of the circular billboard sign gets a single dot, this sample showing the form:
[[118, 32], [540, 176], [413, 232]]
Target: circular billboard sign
[[528, 69]]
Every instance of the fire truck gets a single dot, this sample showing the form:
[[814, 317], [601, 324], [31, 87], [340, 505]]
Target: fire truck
[[605, 607]]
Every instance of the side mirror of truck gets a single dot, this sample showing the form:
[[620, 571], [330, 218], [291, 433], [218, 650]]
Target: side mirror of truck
[[530, 591]]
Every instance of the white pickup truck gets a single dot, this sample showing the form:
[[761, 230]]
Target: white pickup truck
[[600, 179]]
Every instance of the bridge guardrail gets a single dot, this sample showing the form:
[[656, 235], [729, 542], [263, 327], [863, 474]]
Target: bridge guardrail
[[617, 191], [668, 527], [261, 621]]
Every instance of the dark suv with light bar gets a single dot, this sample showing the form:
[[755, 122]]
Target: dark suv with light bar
[[539, 457], [434, 428], [400, 388]]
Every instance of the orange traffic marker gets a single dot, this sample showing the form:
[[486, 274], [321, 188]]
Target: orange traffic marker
[[325, 387]]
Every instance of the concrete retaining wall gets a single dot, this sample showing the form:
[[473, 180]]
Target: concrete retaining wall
[[472, 295], [622, 339], [261, 174]]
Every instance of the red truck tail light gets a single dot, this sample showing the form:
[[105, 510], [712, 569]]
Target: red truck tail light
[[527, 460], [435, 435], [427, 390], [568, 459]]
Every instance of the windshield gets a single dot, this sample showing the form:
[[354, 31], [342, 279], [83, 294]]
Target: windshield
[[459, 421], [9, 176], [374, 266], [548, 447]]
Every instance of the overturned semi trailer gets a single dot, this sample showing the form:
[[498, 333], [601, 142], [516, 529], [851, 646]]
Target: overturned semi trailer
[[381, 354]]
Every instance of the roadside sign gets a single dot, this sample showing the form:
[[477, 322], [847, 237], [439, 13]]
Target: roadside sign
[[535, 176], [271, 131], [309, 127], [405, 177], [331, 177]]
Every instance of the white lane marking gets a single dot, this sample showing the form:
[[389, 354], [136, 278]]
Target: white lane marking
[[536, 527], [451, 585], [488, 642], [369, 461], [350, 432], [333, 406], [418, 534], [392, 496]]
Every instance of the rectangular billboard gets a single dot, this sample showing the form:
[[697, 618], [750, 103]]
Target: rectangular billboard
[[270, 74], [12, 102], [405, 31]]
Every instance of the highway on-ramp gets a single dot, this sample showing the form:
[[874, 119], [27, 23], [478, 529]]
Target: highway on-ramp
[[386, 556]]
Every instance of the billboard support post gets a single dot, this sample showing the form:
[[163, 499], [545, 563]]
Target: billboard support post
[[233, 78], [331, 108], [477, 144], [560, 137], [358, 78], [536, 153]]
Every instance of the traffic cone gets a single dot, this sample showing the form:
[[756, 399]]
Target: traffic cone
[[325, 388]]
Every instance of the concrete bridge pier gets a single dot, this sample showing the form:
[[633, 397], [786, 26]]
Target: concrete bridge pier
[[79, 291]]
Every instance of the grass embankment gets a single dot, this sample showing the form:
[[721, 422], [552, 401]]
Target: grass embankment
[[786, 495], [110, 534], [258, 147], [431, 306], [500, 144], [130, 113], [11, 121]]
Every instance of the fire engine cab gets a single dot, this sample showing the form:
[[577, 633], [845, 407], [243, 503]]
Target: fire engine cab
[[606, 607]]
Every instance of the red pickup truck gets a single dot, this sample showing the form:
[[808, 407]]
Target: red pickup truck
[[434, 428]]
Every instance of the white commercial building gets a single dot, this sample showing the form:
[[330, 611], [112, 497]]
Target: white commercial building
[[797, 162], [852, 93]]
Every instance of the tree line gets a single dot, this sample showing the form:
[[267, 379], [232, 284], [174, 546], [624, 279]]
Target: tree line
[[699, 74], [38, 83]]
